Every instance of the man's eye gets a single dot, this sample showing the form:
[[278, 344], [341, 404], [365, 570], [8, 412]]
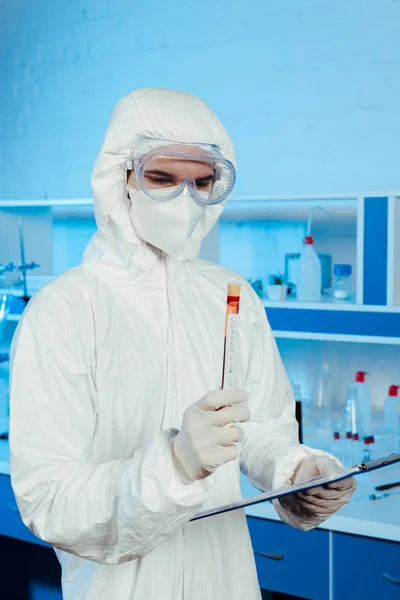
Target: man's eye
[[204, 183]]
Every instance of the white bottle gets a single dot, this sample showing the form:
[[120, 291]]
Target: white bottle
[[309, 273], [364, 401], [391, 411], [323, 398]]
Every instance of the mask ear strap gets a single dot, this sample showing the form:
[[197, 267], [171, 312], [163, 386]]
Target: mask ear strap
[[128, 169], [218, 173]]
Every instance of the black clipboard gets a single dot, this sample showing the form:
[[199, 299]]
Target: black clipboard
[[365, 467]]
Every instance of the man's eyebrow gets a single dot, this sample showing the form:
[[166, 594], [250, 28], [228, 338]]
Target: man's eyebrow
[[167, 174], [158, 172]]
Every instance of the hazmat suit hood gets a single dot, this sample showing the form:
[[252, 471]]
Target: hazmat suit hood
[[159, 113]]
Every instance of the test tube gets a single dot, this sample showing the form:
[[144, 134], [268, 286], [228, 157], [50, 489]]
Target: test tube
[[367, 451], [371, 447], [336, 445], [231, 334], [347, 459], [356, 452]]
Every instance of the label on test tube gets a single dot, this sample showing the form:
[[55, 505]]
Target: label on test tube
[[231, 335], [231, 341]]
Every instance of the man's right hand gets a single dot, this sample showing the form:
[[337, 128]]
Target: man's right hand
[[204, 443]]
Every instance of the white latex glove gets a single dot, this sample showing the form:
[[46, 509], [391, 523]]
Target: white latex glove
[[309, 509], [204, 442]]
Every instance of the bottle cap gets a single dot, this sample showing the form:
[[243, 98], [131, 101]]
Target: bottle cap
[[309, 240], [336, 435], [348, 435], [367, 440], [394, 390], [356, 437], [360, 376], [342, 270]]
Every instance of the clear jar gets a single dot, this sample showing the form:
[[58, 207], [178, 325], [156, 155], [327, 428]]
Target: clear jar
[[343, 288]]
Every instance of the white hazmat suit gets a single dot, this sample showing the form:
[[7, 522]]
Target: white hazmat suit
[[106, 360]]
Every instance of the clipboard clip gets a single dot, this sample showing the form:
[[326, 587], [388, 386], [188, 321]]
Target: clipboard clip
[[371, 465]]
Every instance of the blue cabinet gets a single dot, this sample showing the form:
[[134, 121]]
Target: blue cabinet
[[305, 564], [28, 571], [365, 568], [291, 561], [10, 520]]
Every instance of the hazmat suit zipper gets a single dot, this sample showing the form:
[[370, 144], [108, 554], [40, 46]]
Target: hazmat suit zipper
[[171, 370], [171, 355]]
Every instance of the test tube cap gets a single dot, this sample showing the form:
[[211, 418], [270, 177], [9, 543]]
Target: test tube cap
[[234, 289]]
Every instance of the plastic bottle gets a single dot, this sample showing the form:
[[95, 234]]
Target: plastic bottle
[[351, 423], [352, 412], [391, 414], [309, 273], [364, 401], [323, 398]]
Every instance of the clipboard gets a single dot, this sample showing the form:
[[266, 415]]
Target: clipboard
[[287, 490]]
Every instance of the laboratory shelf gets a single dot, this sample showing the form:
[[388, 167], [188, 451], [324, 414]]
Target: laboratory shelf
[[14, 317], [279, 199], [329, 304], [336, 337], [368, 326], [365, 229]]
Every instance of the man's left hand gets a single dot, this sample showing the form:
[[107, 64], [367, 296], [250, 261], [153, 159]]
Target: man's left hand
[[310, 508]]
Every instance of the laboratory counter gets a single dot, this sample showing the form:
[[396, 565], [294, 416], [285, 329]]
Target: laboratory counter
[[360, 543], [372, 518]]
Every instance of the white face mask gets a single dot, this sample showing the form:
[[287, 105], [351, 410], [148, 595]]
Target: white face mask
[[165, 224]]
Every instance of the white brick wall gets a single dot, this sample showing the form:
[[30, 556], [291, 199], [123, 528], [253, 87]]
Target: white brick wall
[[309, 89]]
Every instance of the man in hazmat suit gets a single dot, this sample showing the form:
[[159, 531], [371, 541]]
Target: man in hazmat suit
[[120, 432]]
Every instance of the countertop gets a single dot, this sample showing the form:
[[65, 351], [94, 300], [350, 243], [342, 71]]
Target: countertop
[[371, 518]]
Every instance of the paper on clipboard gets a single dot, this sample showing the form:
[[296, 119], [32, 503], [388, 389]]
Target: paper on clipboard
[[288, 490]]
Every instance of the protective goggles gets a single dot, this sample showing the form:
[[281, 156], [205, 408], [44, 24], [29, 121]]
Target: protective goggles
[[163, 169]]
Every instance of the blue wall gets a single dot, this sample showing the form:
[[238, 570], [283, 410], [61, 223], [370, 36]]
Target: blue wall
[[308, 89]]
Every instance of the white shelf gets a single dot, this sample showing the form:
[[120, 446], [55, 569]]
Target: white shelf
[[13, 317], [336, 337], [329, 304], [44, 203], [28, 203]]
